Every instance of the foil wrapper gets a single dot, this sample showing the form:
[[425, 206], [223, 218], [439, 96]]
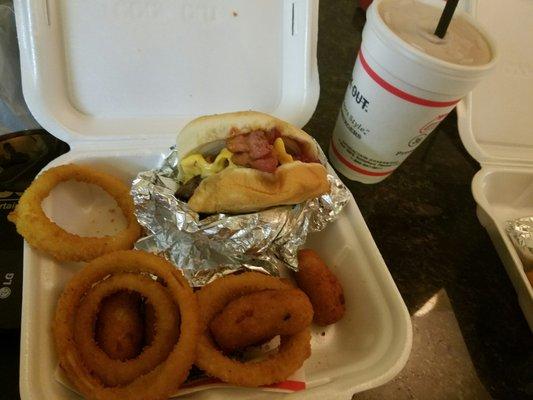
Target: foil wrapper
[[219, 244], [521, 232]]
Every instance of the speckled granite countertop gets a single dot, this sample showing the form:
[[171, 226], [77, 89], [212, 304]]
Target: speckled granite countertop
[[475, 343]]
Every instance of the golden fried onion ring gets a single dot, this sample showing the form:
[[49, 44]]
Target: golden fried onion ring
[[116, 372], [162, 381], [293, 349], [42, 233]]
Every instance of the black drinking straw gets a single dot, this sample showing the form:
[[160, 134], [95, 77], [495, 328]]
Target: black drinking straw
[[446, 18]]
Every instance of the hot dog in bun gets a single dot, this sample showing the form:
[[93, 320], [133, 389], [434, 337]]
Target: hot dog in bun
[[247, 161]]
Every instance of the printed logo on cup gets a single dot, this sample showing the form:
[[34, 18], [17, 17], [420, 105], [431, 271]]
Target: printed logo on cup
[[370, 144], [414, 142], [430, 126]]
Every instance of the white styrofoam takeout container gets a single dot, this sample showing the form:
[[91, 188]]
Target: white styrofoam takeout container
[[117, 79], [495, 127]]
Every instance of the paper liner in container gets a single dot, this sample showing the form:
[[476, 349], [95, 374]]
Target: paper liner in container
[[219, 244], [198, 381], [293, 383]]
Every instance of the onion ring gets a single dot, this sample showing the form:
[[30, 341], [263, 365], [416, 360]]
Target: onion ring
[[162, 381], [293, 349], [44, 234], [116, 372], [150, 323]]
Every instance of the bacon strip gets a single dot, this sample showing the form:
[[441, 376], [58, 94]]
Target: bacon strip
[[256, 150]]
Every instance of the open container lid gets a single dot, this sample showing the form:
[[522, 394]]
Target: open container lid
[[136, 69], [494, 120]]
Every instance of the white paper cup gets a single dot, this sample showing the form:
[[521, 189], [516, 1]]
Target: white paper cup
[[397, 96]]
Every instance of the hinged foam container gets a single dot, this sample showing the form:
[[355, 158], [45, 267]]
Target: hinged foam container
[[117, 79], [495, 127]]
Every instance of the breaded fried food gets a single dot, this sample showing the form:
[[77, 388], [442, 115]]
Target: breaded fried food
[[150, 323], [258, 317], [120, 326], [159, 370], [321, 286], [275, 366], [44, 234]]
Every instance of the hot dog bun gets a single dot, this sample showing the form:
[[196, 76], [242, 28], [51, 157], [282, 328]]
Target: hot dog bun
[[211, 128], [240, 190]]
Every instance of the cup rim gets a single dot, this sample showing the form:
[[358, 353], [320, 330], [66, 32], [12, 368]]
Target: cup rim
[[387, 35]]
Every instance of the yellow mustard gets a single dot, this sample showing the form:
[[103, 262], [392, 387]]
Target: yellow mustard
[[279, 148], [196, 164]]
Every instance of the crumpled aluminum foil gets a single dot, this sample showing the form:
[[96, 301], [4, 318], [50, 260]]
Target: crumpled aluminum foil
[[521, 232], [205, 249]]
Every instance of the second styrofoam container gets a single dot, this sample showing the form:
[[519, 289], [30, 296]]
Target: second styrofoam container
[[495, 127]]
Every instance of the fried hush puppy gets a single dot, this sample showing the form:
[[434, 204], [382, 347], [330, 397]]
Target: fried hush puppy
[[119, 326], [258, 317], [321, 286]]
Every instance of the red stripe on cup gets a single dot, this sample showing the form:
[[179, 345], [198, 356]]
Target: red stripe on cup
[[355, 167], [400, 93]]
